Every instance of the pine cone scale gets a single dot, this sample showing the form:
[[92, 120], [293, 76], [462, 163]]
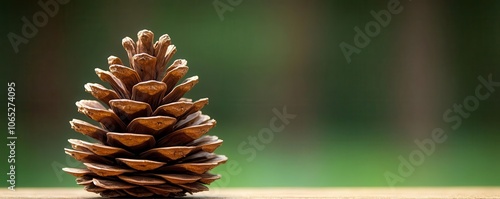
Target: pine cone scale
[[141, 165], [130, 109], [126, 75]]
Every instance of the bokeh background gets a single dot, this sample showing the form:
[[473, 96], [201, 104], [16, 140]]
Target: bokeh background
[[353, 120]]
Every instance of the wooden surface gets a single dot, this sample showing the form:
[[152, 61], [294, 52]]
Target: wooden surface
[[449, 192]]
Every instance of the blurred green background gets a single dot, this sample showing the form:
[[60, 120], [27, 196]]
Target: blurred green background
[[353, 120]]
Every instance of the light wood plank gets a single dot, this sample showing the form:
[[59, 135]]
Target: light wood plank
[[414, 192]]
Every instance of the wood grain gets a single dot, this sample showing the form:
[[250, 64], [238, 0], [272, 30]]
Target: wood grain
[[415, 192]]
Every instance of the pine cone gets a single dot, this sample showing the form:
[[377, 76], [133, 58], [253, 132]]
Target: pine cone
[[151, 139]]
